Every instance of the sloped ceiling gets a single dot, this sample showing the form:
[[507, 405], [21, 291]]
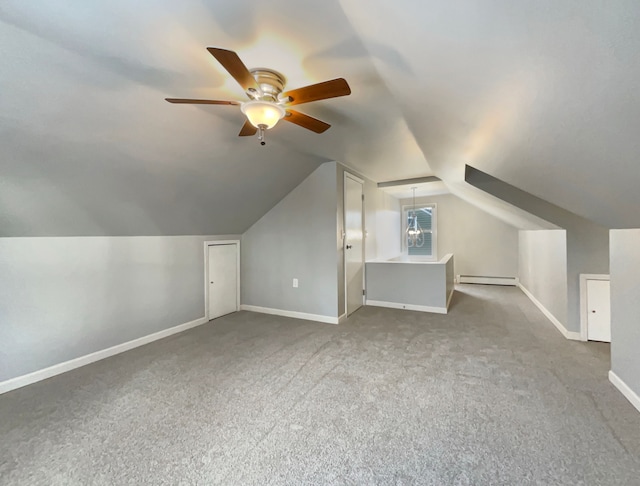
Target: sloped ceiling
[[542, 95]]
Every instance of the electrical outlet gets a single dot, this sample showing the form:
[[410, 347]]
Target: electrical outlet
[[295, 283]]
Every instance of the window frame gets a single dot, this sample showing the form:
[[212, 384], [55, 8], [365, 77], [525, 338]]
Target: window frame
[[434, 231]]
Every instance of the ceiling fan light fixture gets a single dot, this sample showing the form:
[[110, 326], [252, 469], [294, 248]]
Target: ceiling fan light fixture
[[262, 113]]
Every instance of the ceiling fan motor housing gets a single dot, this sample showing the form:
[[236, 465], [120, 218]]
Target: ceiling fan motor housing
[[271, 83]]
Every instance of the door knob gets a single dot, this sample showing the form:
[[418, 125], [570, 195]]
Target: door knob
[[348, 247]]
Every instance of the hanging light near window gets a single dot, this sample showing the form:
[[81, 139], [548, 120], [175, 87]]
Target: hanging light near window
[[415, 234]]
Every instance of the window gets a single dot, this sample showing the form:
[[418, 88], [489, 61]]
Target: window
[[425, 244]]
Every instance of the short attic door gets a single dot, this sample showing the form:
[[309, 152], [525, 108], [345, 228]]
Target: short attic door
[[222, 279]]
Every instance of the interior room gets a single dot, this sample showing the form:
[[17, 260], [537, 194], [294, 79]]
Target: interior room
[[319, 243]]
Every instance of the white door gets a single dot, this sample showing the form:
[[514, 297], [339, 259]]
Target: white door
[[223, 279], [598, 311], [353, 244]]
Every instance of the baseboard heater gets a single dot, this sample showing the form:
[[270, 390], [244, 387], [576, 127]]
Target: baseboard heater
[[480, 279]]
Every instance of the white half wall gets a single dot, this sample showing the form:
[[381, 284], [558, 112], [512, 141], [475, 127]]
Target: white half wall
[[67, 297], [543, 269]]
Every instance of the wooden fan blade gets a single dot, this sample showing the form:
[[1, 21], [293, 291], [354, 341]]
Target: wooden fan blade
[[232, 63], [320, 91], [306, 121], [201, 102], [247, 130]]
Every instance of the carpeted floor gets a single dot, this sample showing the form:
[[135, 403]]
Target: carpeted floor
[[489, 394]]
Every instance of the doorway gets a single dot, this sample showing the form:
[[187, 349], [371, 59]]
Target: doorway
[[222, 278], [595, 308], [353, 242]]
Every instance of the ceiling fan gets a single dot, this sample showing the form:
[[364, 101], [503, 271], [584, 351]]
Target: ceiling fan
[[268, 102]]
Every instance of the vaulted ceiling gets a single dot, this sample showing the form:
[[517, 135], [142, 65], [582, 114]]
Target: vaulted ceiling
[[541, 94]]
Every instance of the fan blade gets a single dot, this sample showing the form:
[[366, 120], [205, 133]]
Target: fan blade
[[247, 130], [306, 121], [232, 63], [320, 91], [201, 102]]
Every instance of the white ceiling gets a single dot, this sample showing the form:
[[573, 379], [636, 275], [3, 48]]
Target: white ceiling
[[541, 94]]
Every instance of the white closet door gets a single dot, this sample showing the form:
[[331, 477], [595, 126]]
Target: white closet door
[[223, 280], [598, 311]]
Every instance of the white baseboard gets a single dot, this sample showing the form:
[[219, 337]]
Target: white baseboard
[[72, 364], [473, 279], [625, 390], [294, 314], [419, 308], [575, 336]]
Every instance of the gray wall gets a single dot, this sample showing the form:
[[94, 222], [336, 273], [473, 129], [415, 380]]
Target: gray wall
[[543, 269], [295, 239], [625, 306], [65, 297], [482, 244]]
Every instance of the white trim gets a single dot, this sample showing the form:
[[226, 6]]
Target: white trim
[[353, 177], [473, 279], [584, 335], [348, 168], [72, 364], [412, 307], [342, 318], [625, 390], [294, 314], [207, 244], [344, 238], [450, 297], [575, 336]]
